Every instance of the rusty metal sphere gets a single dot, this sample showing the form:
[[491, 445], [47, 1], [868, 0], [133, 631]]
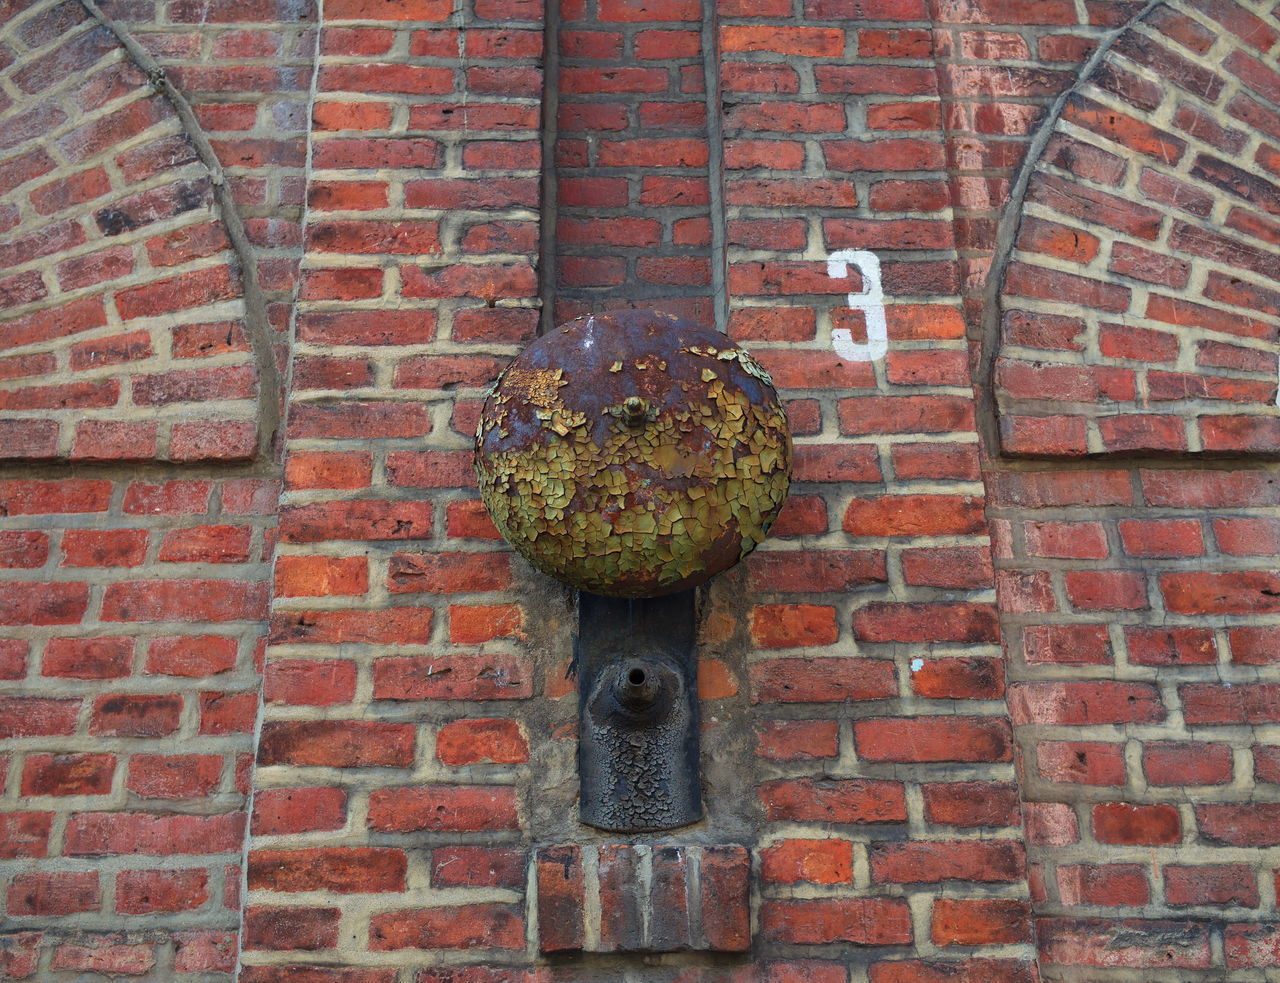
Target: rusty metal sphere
[[633, 453]]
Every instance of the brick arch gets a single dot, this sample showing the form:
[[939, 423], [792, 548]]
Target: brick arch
[[1137, 309], [131, 327]]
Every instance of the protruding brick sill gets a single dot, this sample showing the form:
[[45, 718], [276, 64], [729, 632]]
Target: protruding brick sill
[[621, 897]]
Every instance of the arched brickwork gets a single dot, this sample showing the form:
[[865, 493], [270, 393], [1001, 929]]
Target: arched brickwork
[[125, 330], [134, 592], [416, 722], [1139, 304]]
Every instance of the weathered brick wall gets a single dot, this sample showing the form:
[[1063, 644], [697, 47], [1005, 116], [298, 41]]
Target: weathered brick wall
[[1139, 624], [132, 618], [136, 327], [392, 780], [885, 765], [1148, 213], [123, 299], [1137, 317], [633, 189], [890, 711]]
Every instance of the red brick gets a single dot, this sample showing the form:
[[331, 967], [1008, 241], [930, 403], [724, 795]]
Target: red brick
[[969, 804], [228, 713], [105, 954], [466, 808], [25, 603], [356, 520], [980, 921], [140, 892], [477, 926], [915, 515], [561, 899], [340, 870], [32, 716], [298, 810], [1170, 646], [958, 679], [1083, 644], [797, 740], [206, 544], [1106, 590], [1108, 885], [1121, 823], [1081, 762], [336, 743], [25, 835], [1211, 703], [968, 971], [309, 682], [105, 834], [1084, 703], [184, 600], [807, 800], [776, 626], [1247, 825], [465, 742], [321, 576], [989, 861], [191, 655], [919, 739], [184, 776], [1066, 540], [68, 774], [291, 929], [396, 625], [1239, 592], [1187, 763], [106, 548], [476, 624], [23, 549], [822, 680], [87, 658], [65, 893], [1162, 538], [136, 715], [1247, 537], [941, 566], [1254, 646], [861, 921], [815, 861], [1234, 884], [925, 622], [477, 866]]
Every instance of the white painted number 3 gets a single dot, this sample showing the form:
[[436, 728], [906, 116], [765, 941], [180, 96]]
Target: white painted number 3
[[870, 301]]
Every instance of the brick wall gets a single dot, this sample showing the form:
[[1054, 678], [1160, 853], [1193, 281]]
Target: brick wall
[[392, 781], [977, 710], [149, 265]]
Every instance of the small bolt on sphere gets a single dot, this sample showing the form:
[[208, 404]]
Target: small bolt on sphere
[[635, 411]]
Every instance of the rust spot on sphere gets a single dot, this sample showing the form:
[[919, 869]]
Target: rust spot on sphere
[[633, 453]]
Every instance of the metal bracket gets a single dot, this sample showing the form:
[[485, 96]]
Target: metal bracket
[[638, 700]]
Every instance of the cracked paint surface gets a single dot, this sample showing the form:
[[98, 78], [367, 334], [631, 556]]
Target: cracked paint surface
[[633, 453]]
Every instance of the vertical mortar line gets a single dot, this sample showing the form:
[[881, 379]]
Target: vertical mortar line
[[592, 915], [260, 716], [715, 164], [257, 323], [550, 132], [644, 891], [694, 854]]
